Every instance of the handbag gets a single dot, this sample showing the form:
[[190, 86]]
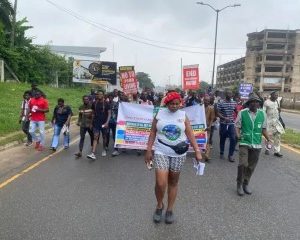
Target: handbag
[[280, 118], [179, 148]]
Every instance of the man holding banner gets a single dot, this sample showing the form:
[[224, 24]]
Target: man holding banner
[[169, 132]]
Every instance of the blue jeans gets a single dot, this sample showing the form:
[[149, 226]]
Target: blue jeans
[[56, 134], [41, 126], [227, 130]]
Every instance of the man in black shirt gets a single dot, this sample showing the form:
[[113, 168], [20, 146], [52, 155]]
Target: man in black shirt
[[61, 121], [101, 115]]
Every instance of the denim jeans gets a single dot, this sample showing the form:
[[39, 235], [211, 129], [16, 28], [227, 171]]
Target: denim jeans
[[41, 126], [227, 130], [56, 134]]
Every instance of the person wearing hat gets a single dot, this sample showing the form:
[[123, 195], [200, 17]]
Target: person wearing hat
[[251, 124], [274, 127]]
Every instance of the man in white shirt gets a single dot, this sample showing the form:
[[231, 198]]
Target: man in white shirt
[[274, 127]]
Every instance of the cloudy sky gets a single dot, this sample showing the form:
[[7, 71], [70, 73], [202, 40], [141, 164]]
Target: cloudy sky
[[179, 24]]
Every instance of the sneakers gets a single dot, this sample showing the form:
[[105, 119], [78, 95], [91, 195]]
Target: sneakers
[[157, 216], [91, 156], [115, 153], [104, 153], [169, 218], [231, 159], [267, 152], [53, 149], [278, 155], [40, 148], [78, 155], [37, 144], [28, 144]]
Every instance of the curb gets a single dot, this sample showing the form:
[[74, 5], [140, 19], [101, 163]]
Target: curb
[[290, 111], [16, 143]]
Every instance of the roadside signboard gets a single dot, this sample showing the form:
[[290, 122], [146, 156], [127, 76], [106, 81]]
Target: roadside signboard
[[245, 89], [128, 79], [191, 77], [87, 71]]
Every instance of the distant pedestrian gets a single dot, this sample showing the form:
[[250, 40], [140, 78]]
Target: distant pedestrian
[[101, 116], [144, 100], [169, 128], [275, 128], [25, 117], [251, 124], [34, 88], [85, 122], [115, 101], [38, 108], [61, 121], [225, 111], [92, 96], [210, 116]]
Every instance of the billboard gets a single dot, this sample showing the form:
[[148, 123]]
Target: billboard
[[87, 71], [128, 79], [191, 77]]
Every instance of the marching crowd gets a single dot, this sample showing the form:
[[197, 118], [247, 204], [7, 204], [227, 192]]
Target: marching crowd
[[243, 122]]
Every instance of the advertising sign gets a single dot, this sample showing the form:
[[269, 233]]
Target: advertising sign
[[134, 125], [245, 90], [191, 77], [87, 71], [128, 79]]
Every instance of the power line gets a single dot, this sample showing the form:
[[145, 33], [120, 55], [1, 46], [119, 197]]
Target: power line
[[122, 34]]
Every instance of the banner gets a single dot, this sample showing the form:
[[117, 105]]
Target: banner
[[191, 77], [128, 79], [87, 71], [245, 90], [134, 125]]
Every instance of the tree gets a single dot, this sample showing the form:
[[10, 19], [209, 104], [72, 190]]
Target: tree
[[144, 80], [6, 14]]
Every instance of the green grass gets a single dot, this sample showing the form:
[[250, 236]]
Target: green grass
[[11, 95], [292, 138]]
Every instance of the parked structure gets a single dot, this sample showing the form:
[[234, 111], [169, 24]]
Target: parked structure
[[272, 62]]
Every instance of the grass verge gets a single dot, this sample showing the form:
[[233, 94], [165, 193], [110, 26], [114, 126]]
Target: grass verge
[[292, 138], [11, 98]]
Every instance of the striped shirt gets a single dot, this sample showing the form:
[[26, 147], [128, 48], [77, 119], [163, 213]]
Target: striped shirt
[[227, 109]]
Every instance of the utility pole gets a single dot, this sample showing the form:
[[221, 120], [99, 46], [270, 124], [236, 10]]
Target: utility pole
[[216, 33], [13, 30]]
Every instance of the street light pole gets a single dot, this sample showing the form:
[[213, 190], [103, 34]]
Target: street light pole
[[216, 33]]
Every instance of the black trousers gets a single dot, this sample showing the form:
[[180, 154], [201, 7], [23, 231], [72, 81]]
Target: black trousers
[[112, 127], [83, 131], [25, 129]]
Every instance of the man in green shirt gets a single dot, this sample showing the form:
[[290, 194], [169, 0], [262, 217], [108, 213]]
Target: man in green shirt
[[251, 124]]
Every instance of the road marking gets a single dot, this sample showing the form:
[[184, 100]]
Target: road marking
[[13, 178], [290, 148]]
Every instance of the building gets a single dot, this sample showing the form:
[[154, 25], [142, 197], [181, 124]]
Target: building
[[272, 62]]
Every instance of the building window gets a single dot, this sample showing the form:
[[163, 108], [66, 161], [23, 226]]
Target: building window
[[273, 69], [274, 58], [258, 69], [276, 35], [275, 46]]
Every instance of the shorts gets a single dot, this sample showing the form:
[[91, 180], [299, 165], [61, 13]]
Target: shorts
[[97, 131], [164, 162]]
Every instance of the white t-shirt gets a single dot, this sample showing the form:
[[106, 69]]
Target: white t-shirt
[[170, 130]]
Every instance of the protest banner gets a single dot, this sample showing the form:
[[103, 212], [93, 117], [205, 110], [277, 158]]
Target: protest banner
[[134, 125], [128, 79], [245, 90], [191, 77], [87, 71]]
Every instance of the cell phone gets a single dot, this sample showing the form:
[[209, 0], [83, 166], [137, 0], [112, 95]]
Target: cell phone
[[150, 165]]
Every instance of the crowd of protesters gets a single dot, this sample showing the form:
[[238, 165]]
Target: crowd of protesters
[[243, 122]]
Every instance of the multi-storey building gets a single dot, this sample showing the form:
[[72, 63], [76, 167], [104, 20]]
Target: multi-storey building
[[272, 62]]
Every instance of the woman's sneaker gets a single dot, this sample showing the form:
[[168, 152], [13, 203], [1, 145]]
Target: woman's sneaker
[[169, 218], [157, 216], [91, 156]]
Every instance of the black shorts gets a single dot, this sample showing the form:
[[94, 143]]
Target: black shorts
[[97, 130]]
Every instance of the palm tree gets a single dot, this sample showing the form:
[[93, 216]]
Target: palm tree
[[6, 14]]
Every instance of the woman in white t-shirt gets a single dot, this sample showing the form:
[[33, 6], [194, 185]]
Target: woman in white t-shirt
[[170, 127]]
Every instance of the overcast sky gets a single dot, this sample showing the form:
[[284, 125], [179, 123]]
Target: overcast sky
[[177, 22]]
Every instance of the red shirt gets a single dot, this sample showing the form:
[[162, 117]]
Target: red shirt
[[40, 103]]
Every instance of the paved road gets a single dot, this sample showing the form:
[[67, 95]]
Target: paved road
[[292, 120], [112, 198]]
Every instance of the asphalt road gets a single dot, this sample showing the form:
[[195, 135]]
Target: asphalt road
[[291, 120], [112, 198]]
